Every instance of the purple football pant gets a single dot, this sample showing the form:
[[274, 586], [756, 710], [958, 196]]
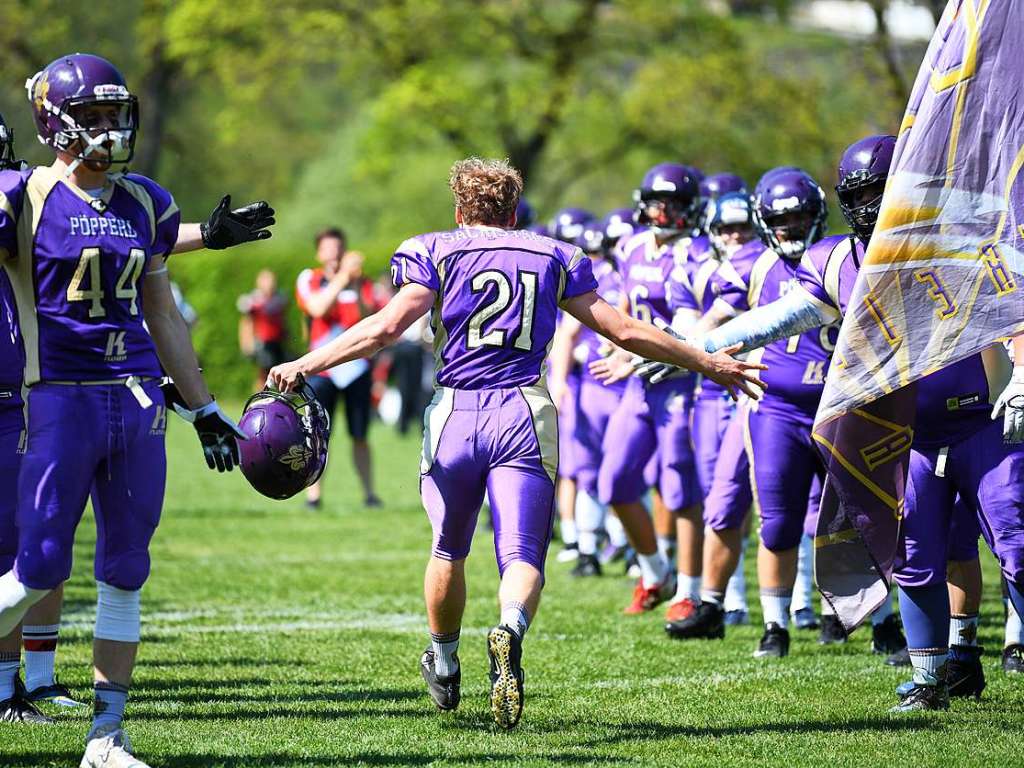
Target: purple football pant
[[12, 424], [988, 475], [711, 416], [964, 532], [648, 420], [82, 438], [502, 442], [595, 405], [783, 465], [568, 461], [729, 498], [813, 505]]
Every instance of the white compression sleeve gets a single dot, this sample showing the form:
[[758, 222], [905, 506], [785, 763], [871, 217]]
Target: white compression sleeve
[[118, 613], [794, 313]]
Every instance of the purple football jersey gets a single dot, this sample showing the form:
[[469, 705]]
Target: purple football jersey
[[609, 288], [498, 293], [76, 265], [829, 269], [756, 275], [691, 287], [12, 354]]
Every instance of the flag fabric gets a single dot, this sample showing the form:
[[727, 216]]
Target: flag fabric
[[941, 280]]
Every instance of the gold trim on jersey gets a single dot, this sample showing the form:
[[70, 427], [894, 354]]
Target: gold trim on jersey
[[544, 416], [758, 273], [144, 199], [836, 257]]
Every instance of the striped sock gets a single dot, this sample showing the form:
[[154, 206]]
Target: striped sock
[[514, 616], [9, 663], [40, 641], [445, 645], [775, 605]]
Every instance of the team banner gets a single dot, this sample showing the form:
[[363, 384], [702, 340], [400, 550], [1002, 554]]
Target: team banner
[[940, 281]]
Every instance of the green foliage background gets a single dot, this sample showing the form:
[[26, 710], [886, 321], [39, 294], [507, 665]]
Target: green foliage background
[[342, 112]]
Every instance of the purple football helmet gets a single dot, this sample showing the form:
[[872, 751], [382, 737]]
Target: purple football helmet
[[863, 171], [731, 223], [616, 225], [668, 199], [64, 88], [790, 211], [525, 215], [568, 224], [714, 186], [7, 160], [540, 228], [287, 446]]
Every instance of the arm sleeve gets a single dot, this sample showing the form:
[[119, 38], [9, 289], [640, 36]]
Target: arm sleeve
[[412, 263], [579, 275], [794, 313]]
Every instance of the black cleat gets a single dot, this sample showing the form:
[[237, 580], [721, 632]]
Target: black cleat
[[922, 698], [1013, 659], [887, 637], [774, 643], [505, 652], [57, 693], [805, 619], [832, 632], [965, 677], [445, 691], [899, 659], [708, 621], [586, 566], [19, 709]]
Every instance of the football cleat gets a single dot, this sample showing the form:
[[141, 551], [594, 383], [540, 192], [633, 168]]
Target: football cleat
[[505, 652], [445, 691], [774, 643], [56, 693], [19, 709], [1013, 659], [706, 621], [899, 659], [921, 698], [832, 632], [586, 566], [680, 610], [648, 598], [887, 637], [737, 617], [109, 747], [805, 618], [568, 554], [965, 676]]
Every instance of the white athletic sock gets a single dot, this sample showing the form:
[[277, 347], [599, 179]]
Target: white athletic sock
[[928, 664], [653, 569], [687, 588], [775, 605], [711, 596], [15, 600], [569, 533], [882, 612], [445, 646], [665, 544], [736, 589], [1014, 627], [108, 706], [40, 643], [589, 517], [963, 629], [9, 663], [616, 533], [803, 590], [514, 616]]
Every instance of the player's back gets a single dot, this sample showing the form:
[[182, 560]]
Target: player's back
[[498, 293]]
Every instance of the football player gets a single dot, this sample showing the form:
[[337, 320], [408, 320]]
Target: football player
[[492, 427], [84, 248]]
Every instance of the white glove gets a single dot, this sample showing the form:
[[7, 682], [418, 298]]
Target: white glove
[[1011, 405]]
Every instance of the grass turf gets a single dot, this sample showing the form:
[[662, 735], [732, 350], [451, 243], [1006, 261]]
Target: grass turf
[[275, 636]]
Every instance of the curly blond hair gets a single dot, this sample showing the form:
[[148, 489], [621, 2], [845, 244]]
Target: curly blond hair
[[486, 191]]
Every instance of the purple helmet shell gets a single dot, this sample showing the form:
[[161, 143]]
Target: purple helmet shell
[[540, 228], [865, 165], [732, 209], [7, 160], [668, 199], [719, 183], [78, 80], [525, 215], [781, 196], [568, 224], [616, 225], [287, 446]]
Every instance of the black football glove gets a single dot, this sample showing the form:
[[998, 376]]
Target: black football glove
[[227, 227], [218, 434]]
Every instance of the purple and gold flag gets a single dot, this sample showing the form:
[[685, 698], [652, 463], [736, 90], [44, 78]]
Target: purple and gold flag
[[940, 281]]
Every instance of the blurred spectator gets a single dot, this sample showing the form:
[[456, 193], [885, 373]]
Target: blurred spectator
[[188, 312], [261, 328], [335, 296]]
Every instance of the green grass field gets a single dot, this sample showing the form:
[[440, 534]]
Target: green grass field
[[273, 636]]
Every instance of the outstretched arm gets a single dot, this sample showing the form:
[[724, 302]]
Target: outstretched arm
[[226, 228], [794, 313], [365, 338], [648, 341]]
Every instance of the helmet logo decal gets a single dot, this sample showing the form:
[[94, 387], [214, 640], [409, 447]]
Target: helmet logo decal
[[41, 90], [297, 457], [785, 203]]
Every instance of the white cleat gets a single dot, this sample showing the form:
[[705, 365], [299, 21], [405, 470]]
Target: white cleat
[[110, 748]]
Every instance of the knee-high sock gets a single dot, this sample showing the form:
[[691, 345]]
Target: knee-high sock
[[589, 518], [736, 589], [803, 590], [15, 600], [925, 612]]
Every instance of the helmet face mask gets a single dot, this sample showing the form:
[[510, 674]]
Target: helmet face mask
[[668, 199], [7, 159], [790, 211], [286, 449], [731, 223], [863, 172]]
